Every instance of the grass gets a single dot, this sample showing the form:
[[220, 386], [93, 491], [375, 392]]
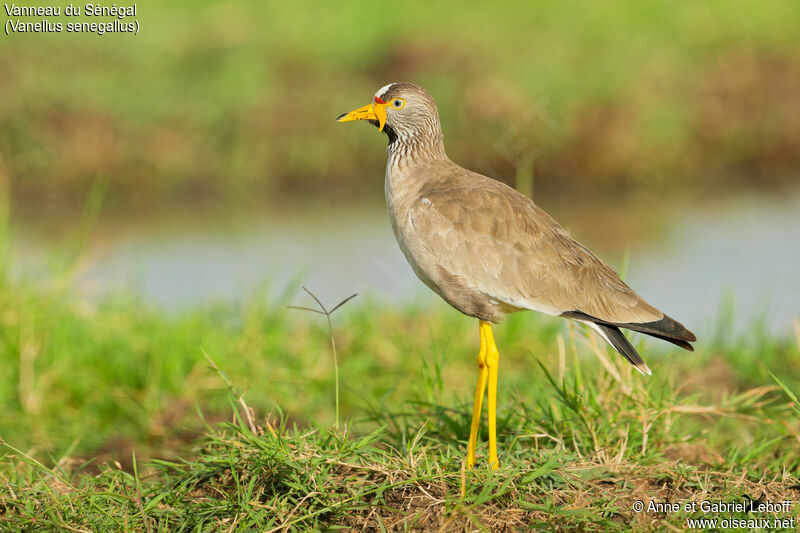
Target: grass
[[236, 100], [114, 417]]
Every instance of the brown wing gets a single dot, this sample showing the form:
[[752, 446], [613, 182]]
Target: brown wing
[[496, 241]]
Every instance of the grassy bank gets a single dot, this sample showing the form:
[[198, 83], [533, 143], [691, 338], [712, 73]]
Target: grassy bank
[[236, 100], [113, 419]]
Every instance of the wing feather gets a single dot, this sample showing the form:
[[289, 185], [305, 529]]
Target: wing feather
[[496, 241]]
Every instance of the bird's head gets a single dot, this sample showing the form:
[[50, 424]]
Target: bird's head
[[403, 111]]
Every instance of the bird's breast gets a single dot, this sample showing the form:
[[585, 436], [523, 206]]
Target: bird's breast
[[402, 191], [398, 203]]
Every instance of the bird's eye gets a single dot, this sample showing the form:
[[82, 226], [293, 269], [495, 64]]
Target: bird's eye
[[397, 103]]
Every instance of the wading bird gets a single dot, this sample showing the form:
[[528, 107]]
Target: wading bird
[[488, 250]]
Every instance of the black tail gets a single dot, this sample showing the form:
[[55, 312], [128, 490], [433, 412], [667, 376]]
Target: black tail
[[667, 329], [623, 346]]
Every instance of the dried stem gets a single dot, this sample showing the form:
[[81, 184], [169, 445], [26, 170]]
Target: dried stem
[[324, 311], [239, 396]]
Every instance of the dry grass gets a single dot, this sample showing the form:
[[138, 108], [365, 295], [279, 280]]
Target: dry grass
[[578, 461]]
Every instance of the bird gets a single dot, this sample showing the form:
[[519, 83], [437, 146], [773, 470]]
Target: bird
[[488, 250]]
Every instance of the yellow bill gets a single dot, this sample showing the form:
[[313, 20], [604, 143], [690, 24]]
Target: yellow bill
[[373, 111]]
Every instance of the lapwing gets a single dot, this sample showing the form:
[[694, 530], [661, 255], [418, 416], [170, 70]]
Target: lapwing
[[488, 250]]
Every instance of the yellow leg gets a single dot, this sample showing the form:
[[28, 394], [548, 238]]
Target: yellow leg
[[492, 361], [483, 374]]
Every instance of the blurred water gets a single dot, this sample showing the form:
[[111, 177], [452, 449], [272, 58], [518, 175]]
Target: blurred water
[[743, 258], [746, 252]]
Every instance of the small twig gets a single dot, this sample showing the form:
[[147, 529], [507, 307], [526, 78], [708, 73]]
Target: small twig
[[31, 461], [296, 507], [562, 358], [591, 341], [239, 396], [463, 479], [324, 311], [337, 306], [139, 493]]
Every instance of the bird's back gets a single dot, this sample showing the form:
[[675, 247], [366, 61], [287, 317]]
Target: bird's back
[[489, 250]]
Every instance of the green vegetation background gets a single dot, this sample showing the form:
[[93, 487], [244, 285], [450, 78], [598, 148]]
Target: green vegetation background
[[236, 100]]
